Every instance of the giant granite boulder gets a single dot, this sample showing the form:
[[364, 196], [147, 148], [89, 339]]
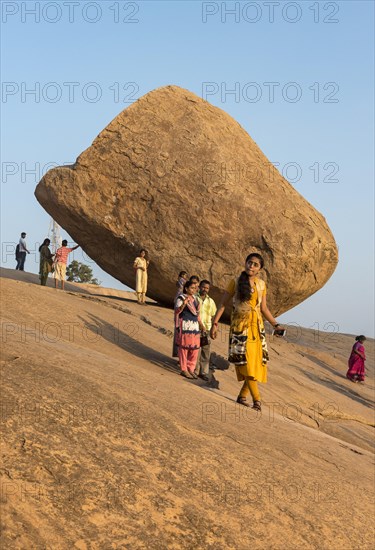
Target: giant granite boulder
[[181, 178]]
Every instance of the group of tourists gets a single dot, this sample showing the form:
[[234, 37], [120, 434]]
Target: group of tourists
[[48, 262], [196, 319], [54, 263], [194, 312], [196, 323]]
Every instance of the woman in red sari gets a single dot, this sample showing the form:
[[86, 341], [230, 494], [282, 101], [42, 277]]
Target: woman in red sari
[[356, 371]]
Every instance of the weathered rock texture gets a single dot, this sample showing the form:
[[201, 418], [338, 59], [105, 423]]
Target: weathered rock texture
[[181, 178]]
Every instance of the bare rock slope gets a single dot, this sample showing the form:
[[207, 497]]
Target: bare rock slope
[[181, 178], [106, 447]]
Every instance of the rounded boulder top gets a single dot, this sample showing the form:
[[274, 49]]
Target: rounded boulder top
[[181, 178]]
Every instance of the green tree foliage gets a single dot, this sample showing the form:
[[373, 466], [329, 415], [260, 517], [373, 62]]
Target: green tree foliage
[[80, 273]]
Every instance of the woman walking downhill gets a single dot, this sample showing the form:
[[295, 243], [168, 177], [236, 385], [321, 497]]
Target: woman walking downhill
[[356, 371], [140, 265], [247, 337], [188, 327], [45, 262]]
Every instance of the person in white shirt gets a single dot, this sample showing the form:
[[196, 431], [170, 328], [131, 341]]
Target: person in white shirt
[[21, 254]]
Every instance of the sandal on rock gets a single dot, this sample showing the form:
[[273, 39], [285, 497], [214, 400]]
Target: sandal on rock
[[257, 406], [242, 401], [193, 375], [186, 374]]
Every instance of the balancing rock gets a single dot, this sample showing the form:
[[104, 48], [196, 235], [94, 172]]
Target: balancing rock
[[179, 177]]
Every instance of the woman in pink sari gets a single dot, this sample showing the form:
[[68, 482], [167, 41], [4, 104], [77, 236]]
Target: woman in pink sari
[[356, 371]]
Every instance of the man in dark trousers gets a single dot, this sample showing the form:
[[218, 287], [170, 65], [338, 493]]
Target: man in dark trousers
[[207, 312], [21, 254]]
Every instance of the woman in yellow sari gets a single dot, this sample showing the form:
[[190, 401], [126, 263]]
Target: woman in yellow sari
[[247, 337]]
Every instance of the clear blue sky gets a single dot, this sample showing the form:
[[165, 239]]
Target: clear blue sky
[[85, 61]]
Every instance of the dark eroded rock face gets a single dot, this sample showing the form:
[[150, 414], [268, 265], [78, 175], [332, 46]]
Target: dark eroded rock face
[[181, 178]]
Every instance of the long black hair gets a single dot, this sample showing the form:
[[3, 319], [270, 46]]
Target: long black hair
[[45, 242], [243, 287]]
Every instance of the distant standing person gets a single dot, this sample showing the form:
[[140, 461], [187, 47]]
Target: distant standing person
[[207, 312], [247, 337], [46, 261], [61, 258], [182, 278], [140, 265], [356, 371], [22, 251], [194, 279]]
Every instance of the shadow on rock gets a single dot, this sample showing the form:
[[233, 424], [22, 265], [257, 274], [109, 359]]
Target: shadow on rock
[[218, 362]]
